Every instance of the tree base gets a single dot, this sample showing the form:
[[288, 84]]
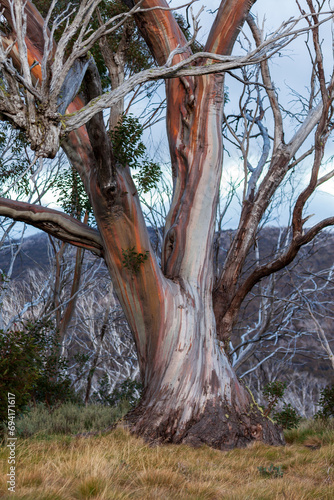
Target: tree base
[[219, 426]]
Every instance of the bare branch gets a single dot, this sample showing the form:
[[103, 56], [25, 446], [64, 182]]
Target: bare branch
[[56, 223], [269, 84], [279, 263]]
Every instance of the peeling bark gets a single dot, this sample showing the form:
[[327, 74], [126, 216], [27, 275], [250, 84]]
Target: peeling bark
[[192, 394]]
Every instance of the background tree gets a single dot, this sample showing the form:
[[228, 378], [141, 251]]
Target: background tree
[[191, 393]]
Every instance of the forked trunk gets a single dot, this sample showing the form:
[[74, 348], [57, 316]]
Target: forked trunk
[[191, 393]]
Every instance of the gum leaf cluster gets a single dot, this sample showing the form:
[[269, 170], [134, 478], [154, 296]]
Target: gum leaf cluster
[[288, 417], [129, 150], [71, 193], [133, 260], [326, 402], [13, 160]]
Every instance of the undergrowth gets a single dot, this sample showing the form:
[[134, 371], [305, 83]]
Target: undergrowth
[[118, 465], [313, 432], [68, 419]]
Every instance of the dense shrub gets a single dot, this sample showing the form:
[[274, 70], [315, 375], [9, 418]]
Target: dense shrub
[[272, 393], [31, 368], [129, 390], [288, 417], [18, 369]]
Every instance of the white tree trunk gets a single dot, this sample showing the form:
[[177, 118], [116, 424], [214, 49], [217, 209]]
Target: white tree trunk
[[192, 394]]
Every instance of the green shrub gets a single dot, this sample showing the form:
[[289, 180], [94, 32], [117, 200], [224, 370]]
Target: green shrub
[[273, 392], [68, 418], [272, 471], [288, 418], [326, 402], [18, 369], [129, 390], [31, 368]]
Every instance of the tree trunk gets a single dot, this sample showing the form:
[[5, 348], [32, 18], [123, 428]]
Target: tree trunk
[[192, 395]]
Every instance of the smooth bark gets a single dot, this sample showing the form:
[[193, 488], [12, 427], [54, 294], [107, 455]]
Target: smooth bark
[[56, 223]]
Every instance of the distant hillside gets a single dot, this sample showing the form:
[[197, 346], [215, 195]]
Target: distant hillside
[[33, 255], [316, 256], [319, 253]]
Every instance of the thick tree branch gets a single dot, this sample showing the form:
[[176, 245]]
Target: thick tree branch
[[58, 224], [160, 30], [98, 136], [223, 34], [272, 267]]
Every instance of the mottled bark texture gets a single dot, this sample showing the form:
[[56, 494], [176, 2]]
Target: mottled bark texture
[[191, 393]]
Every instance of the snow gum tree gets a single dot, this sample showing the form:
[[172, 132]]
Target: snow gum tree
[[179, 319]]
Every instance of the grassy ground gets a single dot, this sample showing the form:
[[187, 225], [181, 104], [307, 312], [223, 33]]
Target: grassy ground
[[119, 466]]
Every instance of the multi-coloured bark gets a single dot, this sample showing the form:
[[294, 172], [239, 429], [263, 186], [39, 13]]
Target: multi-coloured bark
[[191, 393]]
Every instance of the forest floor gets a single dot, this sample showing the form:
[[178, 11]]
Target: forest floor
[[119, 466]]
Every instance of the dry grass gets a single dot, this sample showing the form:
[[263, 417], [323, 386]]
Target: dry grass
[[119, 466]]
